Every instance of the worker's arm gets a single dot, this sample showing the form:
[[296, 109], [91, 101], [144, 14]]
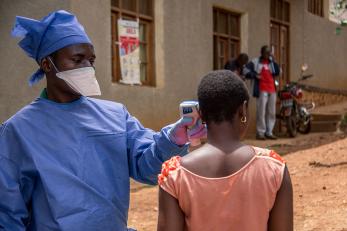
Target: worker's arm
[[13, 211], [281, 215], [171, 217], [147, 150]]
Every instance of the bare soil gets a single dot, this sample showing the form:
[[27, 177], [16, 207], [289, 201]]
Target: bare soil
[[318, 167]]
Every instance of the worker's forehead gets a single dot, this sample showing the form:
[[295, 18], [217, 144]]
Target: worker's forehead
[[83, 48]]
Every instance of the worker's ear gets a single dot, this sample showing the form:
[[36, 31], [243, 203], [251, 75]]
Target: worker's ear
[[46, 65]]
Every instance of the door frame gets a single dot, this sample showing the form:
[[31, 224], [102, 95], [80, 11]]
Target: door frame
[[281, 21], [279, 59], [279, 18]]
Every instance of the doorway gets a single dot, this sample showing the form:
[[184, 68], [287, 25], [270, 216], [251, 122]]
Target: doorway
[[280, 48], [279, 37]]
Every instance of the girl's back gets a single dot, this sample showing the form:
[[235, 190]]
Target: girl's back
[[213, 162], [218, 191]]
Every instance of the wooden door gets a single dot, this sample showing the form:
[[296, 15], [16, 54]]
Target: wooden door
[[284, 54], [279, 42]]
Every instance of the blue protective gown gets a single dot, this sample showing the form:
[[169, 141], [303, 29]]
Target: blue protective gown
[[66, 166]]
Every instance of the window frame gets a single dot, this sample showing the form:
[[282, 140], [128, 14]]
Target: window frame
[[118, 12], [316, 7], [227, 38], [278, 16]]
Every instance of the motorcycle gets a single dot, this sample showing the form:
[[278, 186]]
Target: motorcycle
[[293, 111]]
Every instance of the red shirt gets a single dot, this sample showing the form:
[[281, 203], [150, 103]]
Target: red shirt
[[267, 82]]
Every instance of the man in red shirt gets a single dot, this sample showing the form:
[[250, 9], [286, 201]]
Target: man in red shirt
[[263, 71]]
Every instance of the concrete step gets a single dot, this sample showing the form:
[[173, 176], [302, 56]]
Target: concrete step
[[326, 117], [324, 126], [322, 122]]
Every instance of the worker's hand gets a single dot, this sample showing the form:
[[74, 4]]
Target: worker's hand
[[179, 133], [198, 131]]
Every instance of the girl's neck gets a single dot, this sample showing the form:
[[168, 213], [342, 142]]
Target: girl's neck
[[224, 135]]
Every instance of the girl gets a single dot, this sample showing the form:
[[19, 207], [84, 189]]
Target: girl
[[225, 185]]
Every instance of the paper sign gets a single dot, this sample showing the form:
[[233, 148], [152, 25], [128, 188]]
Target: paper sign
[[129, 51]]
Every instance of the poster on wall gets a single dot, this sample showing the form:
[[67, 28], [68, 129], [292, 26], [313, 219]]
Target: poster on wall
[[129, 51]]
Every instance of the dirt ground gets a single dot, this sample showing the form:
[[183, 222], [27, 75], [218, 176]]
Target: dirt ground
[[318, 167]]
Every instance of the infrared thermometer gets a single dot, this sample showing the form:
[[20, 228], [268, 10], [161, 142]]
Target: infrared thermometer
[[191, 109]]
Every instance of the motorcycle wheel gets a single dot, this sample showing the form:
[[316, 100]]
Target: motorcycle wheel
[[305, 129], [291, 125]]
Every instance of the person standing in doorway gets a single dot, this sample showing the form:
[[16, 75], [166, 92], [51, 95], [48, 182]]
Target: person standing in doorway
[[263, 72]]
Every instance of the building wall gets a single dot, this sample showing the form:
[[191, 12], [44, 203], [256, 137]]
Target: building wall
[[183, 51], [313, 41]]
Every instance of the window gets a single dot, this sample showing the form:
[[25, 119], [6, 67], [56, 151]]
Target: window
[[280, 11], [141, 10], [226, 36], [316, 7]]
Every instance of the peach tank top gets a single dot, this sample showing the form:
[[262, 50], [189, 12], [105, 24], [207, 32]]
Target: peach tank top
[[240, 202]]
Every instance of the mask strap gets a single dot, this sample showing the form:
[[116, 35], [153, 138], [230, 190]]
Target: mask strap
[[56, 69]]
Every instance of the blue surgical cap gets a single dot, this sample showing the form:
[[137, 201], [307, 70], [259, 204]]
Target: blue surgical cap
[[53, 32]]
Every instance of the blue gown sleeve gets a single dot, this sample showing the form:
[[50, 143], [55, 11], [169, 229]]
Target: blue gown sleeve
[[147, 150], [13, 211]]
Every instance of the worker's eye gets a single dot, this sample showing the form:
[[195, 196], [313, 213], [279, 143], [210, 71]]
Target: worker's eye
[[77, 60]]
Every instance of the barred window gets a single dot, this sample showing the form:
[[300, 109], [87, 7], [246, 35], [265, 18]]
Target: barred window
[[316, 7], [226, 36], [280, 11]]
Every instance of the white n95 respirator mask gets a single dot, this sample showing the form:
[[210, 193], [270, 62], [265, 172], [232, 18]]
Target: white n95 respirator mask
[[81, 80]]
